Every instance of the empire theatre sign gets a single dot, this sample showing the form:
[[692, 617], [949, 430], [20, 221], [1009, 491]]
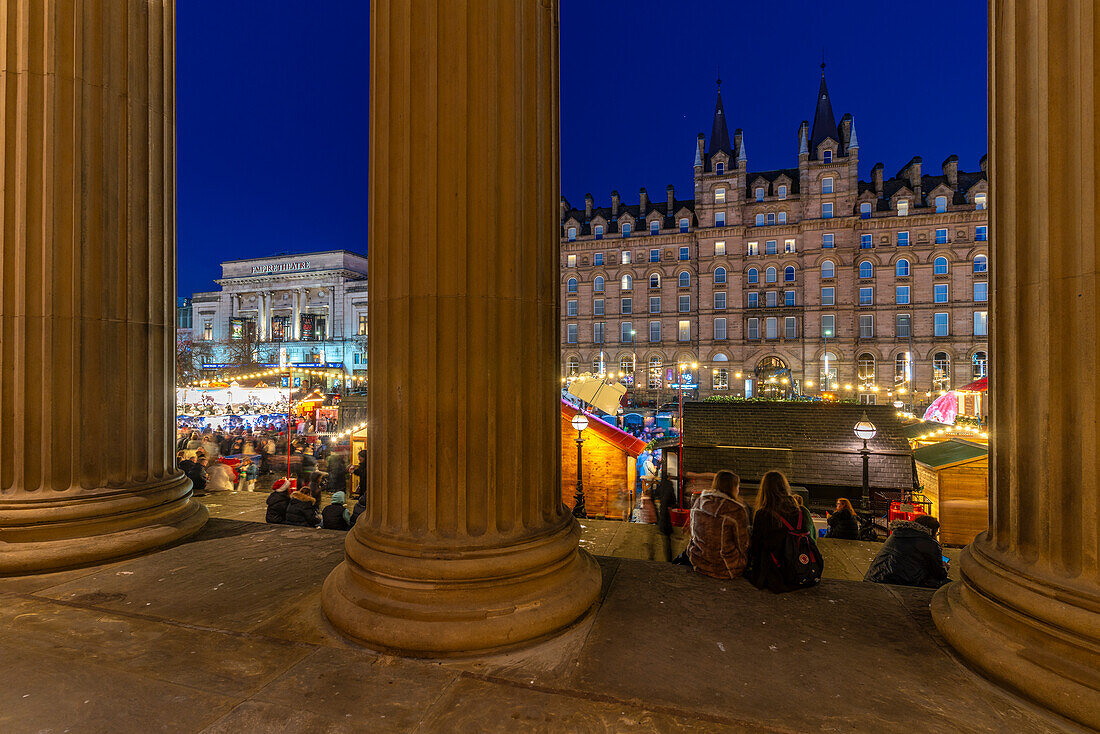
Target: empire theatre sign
[[289, 267]]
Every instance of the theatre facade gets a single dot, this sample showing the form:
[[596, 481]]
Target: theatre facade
[[303, 309]]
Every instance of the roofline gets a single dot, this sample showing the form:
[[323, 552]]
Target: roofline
[[294, 254]]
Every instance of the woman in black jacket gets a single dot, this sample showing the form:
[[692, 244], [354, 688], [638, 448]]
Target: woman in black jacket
[[769, 535], [843, 523], [302, 510], [278, 501], [911, 556]]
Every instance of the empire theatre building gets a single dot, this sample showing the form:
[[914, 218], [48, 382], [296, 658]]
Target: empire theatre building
[[308, 310], [804, 279]]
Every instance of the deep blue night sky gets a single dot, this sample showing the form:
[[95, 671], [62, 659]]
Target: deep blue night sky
[[272, 106]]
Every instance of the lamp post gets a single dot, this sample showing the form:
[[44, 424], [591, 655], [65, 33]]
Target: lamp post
[[828, 379], [866, 430], [580, 422]]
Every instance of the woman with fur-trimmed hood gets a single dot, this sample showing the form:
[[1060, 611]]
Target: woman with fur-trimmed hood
[[302, 510], [911, 556], [720, 529]]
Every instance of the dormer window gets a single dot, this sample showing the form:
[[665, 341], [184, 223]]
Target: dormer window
[[827, 157], [599, 231], [719, 168], [572, 234], [719, 219], [684, 225], [783, 192], [903, 207], [865, 210], [827, 185], [625, 229], [759, 193], [941, 204], [719, 196], [654, 227], [979, 201]]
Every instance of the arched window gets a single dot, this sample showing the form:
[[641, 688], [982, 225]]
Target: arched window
[[720, 374], [788, 274], [939, 267], [685, 279], [627, 283], [980, 360], [597, 284], [655, 280], [573, 367], [599, 365], [719, 275], [865, 367], [571, 285], [754, 276], [654, 377], [981, 264], [866, 269], [572, 233], [941, 204], [865, 210], [828, 269], [720, 168], [654, 227], [901, 270], [902, 368], [770, 275], [625, 229], [626, 365], [941, 371]]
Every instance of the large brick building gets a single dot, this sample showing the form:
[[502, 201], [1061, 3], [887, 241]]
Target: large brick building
[[776, 274]]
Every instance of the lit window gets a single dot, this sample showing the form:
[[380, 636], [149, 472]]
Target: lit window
[[866, 326], [719, 300], [684, 304], [571, 333], [362, 324], [980, 325], [866, 269], [981, 233], [901, 270], [901, 294], [827, 157], [771, 328], [828, 240], [720, 328], [903, 207], [865, 363], [597, 284], [903, 239], [866, 296], [207, 330], [754, 276], [683, 225], [719, 195], [655, 304], [685, 331], [627, 283], [655, 280], [981, 291], [571, 308], [981, 264], [753, 330], [941, 324], [939, 293], [721, 377], [979, 362], [770, 275], [597, 306], [719, 248], [866, 242], [625, 229], [771, 247], [939, 266], [571, 285], [788, 246], [979, 201], [654, 380], [626, 305], [655, 256], [719, 219], [759, 193], [685, 279], [865, 210], [753, 248], [827, 185], [783, 192], [941, 204], [828, 269], [626, 364], [573, 367], [572, 233], [655, 333], [788, 274], [941, 236], [902, 368], [683, 253], [571, 261], [941, 371], [625, 259], [719, 276], [828, 296], [599, 231], [597, 259], [654, 227], [759, 220]]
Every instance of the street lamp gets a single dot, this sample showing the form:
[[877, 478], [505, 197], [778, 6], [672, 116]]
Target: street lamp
[[580, 422], [828, 378], [866, 430]]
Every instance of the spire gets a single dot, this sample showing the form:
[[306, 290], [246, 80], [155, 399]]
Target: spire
[[803, 143], [698, 156], [741, 158], [719, 133], [824, 122], [853, 141]]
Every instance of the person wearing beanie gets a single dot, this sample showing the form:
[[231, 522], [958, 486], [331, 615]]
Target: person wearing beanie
[[911, 556], [302, 510], [336, 516], [278, 501]]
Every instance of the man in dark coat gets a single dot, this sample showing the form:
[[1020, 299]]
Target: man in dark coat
[[665, 498], [911, 556], [278, 501]]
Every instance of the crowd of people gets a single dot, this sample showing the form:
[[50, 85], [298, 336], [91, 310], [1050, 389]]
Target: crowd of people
[[773, 544]]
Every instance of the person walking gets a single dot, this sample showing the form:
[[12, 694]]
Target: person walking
[[782, 555], [843, 524], [665, 499], [246, 475], [719, 545], [911, 556], [336, 516]]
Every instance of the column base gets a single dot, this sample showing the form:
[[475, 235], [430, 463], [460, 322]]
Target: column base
[[67, 530], [425, 601], [1027, 634]]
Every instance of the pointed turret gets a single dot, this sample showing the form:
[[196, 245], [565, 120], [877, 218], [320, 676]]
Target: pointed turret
[[853, 141], [803, 141], [824, 123], [719, 133], [741, 155]]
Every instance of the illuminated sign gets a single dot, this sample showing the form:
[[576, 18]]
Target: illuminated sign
[[290, 267]]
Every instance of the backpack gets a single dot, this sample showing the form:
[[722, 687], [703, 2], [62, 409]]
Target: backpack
[[800, 564]]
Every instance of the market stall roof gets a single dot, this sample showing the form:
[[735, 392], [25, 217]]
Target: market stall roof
[[977, 386], [949, 453], [617, 438]]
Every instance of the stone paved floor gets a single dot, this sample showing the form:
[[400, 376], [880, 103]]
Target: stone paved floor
[[224, 633]]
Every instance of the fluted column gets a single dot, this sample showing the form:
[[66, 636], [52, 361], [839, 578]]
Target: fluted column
[[465, 544], [87, 293], [1027, 610]]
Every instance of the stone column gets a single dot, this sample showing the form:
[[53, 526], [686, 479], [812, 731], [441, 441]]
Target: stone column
[[296, 305], [1027, 610], [87, 293], [465, 544]]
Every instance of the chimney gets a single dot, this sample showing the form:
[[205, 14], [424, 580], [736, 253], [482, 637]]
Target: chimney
[[671, 201], [699, 152], [911, 173], [587, 206], [738, 137], [876, 177], [563, 209], [951, 171], [615, 204], [643, 202], [984, 164], [803, 140], [846, 130]]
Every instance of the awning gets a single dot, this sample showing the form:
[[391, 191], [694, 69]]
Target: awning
[[977, 386]]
